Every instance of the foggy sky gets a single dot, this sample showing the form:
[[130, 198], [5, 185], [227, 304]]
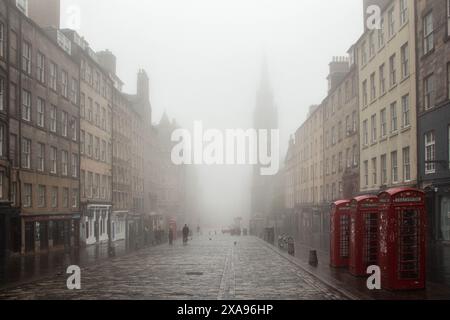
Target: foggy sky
[[204, 58]]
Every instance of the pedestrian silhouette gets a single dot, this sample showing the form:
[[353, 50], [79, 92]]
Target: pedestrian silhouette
[[185, 234]]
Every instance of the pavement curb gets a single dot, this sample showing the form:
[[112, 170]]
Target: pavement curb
[[332, 284]]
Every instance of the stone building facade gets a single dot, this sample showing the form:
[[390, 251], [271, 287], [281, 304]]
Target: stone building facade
[[42, 136], [95, 141], [387, 82], [433, 104]]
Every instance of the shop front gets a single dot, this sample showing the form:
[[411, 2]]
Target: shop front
[[47, 232]]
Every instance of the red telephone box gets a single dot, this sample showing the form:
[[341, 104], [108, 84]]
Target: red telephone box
[[363, 234], [402, 239], [340, 233]]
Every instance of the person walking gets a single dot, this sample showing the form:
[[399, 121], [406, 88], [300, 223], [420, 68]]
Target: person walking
[[185, 234]]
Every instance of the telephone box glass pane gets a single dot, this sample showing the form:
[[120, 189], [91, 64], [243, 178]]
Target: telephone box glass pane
[[344, 239], [371, 238], [408, 233]]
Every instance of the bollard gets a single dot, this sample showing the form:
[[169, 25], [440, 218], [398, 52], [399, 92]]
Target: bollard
[[313, 260], [291, 247]]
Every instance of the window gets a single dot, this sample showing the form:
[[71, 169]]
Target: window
[[103, 151], [53, 113], [373, 88], [373, 122], [64, 84], [449, 146], [53, 160], [374, 171], [2, 40], [2, 95], [73, 128], [65, 198], [430, 153], [364, 93], [53, 76], [382, 80], [26, 105], [90, 110], [405, 60], [41, 196], [392, 71], [366, 173], [391, 21], [428, 90], [405, 111], [74, 198], [355, 155], [41, 157], [96, 185], [348, 158], [41, 67], [74, 165], [41, 112], [365, 133], [90, 144], [403, 11], [383, 169], [26, 153], [103, 188], [340, 162], [64, 163], [394, 167], [381, 34], [54, 197], [27, 195], [26, 57], [406, 165], [74, 91], [394, 118], [428, 33], [82, 141], [97, 148], [383, 120], [64, 123]]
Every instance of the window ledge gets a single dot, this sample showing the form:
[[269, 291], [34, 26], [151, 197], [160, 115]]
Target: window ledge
[[406, 129]]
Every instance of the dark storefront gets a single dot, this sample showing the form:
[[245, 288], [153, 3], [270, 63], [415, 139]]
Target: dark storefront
[[9, 230], [434, 144], [43, 233]]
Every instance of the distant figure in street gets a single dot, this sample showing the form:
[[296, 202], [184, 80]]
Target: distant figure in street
[[170, 236], [185, 234], [198, 229]]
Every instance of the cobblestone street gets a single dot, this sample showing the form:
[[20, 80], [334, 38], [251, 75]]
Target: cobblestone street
[[204, 269]]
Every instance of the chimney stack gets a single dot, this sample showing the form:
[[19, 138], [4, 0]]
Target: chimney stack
[[108, 61], [143, 86], [339, 67]]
